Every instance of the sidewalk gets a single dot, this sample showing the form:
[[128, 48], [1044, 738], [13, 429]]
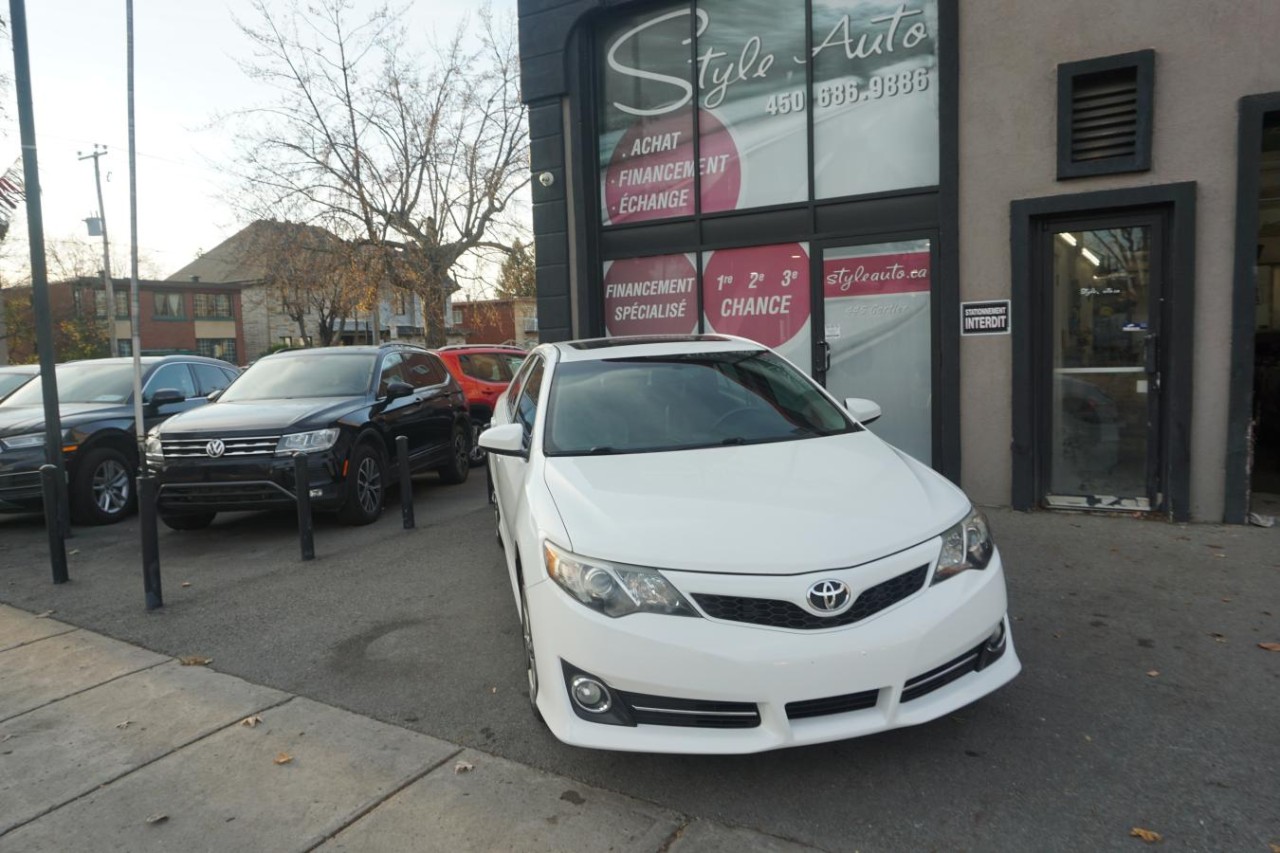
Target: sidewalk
[[105, 745]]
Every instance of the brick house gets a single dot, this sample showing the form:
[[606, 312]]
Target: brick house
[[496, 321]]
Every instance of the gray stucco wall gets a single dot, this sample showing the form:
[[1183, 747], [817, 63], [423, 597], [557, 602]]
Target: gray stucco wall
[[1209, 54]]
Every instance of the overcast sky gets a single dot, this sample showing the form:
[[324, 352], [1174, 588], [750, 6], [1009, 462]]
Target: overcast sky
[[185, 73]]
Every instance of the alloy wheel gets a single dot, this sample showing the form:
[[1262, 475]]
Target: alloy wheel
[[369, 485], [531, 663], [110, 486]]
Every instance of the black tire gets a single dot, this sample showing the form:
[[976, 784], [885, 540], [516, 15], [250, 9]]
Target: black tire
[[102, 491], [366, 485], [196, 521], [530, 658], [459, 466], [497, 513]]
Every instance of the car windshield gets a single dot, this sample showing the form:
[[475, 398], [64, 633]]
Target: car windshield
[[637, 405], [81, 382], [490, 366], [10, 382], [316, 374]]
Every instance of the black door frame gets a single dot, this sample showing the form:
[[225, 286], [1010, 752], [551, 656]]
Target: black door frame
[[1253, 112], [1178, 203]]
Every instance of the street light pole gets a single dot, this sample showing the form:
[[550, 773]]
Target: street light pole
[[108, 288]]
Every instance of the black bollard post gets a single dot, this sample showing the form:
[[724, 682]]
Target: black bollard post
[[406, 481], [150, 541], [302, 488], [53, 522]]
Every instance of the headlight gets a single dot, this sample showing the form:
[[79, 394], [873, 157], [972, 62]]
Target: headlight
[[153, 447], [307, 442], [22, 442], [612, 589], [968, 545]]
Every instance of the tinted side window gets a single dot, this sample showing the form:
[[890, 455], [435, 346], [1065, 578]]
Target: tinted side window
[[527, 408], [423, 369], [210, 378], [175, 376]]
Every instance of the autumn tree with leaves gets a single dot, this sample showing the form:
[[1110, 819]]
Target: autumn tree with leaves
[[415, 159]]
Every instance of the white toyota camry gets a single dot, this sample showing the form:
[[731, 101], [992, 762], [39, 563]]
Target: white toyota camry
[[710, 555]]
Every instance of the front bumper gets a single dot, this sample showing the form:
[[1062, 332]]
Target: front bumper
[[20, 489], [905, 665], [239, 484]]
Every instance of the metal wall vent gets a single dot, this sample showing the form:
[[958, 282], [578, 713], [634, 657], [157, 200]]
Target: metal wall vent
[[1104, 115]]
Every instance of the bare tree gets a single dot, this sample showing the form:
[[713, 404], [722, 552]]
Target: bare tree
[[416, 160]]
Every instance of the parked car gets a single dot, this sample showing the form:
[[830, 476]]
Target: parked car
[[99, 447], [343, 407], [710, 555], [14, 376], [483, 371]]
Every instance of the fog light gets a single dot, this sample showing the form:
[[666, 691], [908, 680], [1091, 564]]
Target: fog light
[[993, 649], [996, 641], [590, 695], [316, 493]]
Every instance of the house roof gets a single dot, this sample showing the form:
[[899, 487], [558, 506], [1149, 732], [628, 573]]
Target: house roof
[[239, 258]]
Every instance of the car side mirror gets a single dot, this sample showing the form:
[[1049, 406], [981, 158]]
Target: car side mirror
[[165, 397], [864, 411], [505, 440], [398, 389]]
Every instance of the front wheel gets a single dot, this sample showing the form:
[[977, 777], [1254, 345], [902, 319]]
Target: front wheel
[[102, 491], [366, 485], [455, 471], [530, 658]]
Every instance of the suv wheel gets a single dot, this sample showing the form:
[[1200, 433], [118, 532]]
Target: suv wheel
[[102, 491], [366, 485], [196, 521], [459, 464]]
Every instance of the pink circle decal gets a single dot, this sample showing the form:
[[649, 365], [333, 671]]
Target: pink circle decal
[[650, 175], [761, 293], [651, 296]]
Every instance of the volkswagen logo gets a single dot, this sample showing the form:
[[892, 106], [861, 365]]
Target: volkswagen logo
[[829, 596], [215, 448]]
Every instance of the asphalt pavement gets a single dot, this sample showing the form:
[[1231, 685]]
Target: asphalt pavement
[[1145, 700]]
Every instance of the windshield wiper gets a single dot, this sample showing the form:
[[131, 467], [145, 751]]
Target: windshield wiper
[[600, 450], [737, 439]]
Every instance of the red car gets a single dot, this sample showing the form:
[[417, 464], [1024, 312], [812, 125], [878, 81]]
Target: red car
[[484, 371]]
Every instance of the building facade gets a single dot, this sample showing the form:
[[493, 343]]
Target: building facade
[[1042, 238], [496, 321]]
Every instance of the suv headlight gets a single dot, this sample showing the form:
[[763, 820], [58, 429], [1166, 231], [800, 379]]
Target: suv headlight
[[307, 442], [612, 589], [968, 545], [154, 449], [23, 442]]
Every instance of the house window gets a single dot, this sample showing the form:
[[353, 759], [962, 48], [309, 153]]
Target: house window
[[100, 304], [223, 348], [213, 306], [124, 347], [399, 303], [169, 306], [1105, 114]]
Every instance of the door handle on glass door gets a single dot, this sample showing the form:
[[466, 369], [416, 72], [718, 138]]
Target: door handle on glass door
[[1149, 354]]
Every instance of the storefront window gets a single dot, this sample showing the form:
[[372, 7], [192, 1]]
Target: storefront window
[[651, 296], [761, 293]]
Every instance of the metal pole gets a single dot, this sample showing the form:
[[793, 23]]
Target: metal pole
[[147, 527], [39, 274], [302, 491], [406, 481], [108, 286], [57, 547]]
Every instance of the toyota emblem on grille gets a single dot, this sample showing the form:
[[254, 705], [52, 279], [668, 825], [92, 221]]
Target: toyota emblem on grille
[[215, 448], [829, 596]]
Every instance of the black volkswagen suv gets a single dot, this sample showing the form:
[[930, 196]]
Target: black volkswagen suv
[[343, 407], [99, 448]]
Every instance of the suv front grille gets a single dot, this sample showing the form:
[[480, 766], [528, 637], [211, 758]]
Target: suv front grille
[[774, 613], [198, 448]]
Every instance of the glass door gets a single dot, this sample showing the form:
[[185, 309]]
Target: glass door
[[1103, 398], [876, 336]]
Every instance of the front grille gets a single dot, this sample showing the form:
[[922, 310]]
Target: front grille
[[696, 713], [941, 676], [186, 448], [832, 705], [23, 483], [214, 494], [774, 613]]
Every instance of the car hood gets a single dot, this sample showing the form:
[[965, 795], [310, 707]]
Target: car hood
[[251, 416], [780, 508], [21, 420]]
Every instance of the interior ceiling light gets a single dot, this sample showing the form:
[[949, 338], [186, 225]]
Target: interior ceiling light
[[1068, 238], [1093, 259]]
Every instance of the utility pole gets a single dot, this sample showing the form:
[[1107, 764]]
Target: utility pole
[[108, 288]]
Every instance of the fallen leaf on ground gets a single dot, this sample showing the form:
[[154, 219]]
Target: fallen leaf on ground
[[251, 721], [195, 660], [1225, 600], [463, 767], [46, 614], [124, 725], [1271, 647], [186, 583], [1088, 739], [1275, 848], [283, 758], [73, 552], [1152, 673], [493, 690], [157, 818], [1218, 638], [1146, 835]]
